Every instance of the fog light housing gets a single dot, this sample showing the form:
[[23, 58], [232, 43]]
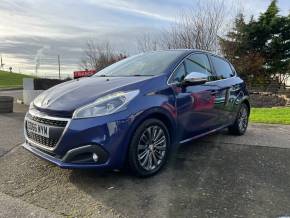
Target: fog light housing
[[95, 157], [87, 154]]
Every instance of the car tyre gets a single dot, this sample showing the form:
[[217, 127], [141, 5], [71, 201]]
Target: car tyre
[[149, 148], [6, 104], [241, 123]]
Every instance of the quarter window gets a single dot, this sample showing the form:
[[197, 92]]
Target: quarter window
[[179, 74], [222, 68]]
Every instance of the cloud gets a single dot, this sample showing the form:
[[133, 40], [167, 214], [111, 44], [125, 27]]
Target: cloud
[[38, 56], [133, 7], [63, 27], [21, 51]]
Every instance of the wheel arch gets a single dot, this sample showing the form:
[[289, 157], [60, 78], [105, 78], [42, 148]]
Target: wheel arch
[[158, 113], [164, 119], [246, 101]]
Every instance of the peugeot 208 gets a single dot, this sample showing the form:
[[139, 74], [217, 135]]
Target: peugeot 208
[[135, 111]]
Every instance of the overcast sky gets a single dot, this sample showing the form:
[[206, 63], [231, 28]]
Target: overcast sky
[[46, 28]]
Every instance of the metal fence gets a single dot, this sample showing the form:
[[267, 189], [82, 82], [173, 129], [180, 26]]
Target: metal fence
[[270, 87]]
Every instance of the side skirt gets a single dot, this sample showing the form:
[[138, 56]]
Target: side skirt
[[203, 134]]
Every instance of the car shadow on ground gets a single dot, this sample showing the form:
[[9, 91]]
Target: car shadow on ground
[[216, 176], [203, 178], [160, 195]]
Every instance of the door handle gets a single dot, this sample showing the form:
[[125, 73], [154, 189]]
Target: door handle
[[213, 92], [236, 88]]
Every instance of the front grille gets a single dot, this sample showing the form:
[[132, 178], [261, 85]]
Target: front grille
[[56, 128], [59, 123], [48, 142]]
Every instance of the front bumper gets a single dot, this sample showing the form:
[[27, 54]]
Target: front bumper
[[106, 137], [67, 161]]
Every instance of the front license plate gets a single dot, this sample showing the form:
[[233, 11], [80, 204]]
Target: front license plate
[[37, 128]]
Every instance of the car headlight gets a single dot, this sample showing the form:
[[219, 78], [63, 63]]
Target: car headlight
[[38, 100], [31, 106], [106, 105]]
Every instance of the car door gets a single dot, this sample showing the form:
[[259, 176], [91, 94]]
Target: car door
[[195, 104], [228, 89]]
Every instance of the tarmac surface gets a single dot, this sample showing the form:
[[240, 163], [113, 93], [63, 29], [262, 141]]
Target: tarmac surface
[[217, 176]]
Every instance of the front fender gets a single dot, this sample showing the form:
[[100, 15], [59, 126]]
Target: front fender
[[157, 106]]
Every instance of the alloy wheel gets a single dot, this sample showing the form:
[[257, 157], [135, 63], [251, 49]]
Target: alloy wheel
[[151, 148], [243, 119]]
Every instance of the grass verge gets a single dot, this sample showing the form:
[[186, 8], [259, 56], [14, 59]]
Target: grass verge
[[11, 80], [279, 115]]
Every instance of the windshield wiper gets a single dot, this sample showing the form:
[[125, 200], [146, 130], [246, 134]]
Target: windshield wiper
[[141, 75], [103, 75]]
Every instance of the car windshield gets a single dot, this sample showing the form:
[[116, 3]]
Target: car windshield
[[145, 64]]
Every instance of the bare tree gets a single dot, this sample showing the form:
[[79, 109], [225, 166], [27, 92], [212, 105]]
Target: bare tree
[[197, 28], [99, 56], [146, 42]]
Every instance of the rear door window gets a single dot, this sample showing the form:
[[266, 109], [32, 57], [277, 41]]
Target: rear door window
[[222, 68]]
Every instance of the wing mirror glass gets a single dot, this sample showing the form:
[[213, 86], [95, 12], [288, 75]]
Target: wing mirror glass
[[195, 78]]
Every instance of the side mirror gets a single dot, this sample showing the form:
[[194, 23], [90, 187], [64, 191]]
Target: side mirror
[[195, 78]]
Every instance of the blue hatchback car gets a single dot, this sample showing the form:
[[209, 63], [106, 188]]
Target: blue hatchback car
[[135, 111]]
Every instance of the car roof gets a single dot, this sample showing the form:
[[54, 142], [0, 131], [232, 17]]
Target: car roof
[[200, 50], [188, 51]]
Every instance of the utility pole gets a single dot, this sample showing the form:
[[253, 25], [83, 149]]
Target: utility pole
[[36, 68], [1, 64], [58, 66]]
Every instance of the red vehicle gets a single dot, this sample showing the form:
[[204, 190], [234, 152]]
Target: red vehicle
[[83, 73]]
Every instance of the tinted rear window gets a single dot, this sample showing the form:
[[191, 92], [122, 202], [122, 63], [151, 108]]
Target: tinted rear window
[[222, 68]]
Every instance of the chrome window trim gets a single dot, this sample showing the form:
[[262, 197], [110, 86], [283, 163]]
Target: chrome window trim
[[175, 70], [221, 79], [198, 52], [194, 52], [229, 63], [33, 112]]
